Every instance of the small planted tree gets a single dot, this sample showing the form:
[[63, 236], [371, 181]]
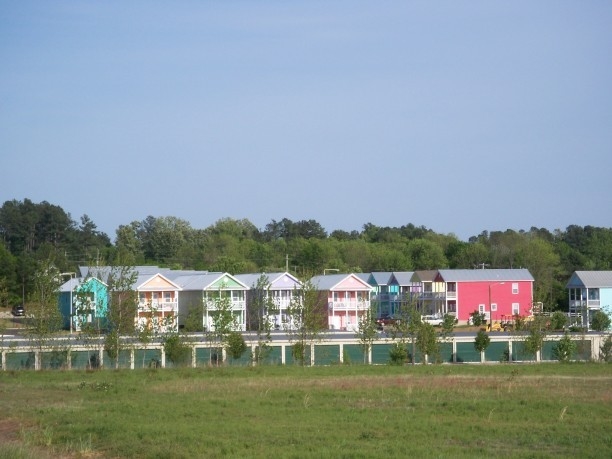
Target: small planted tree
[[261, 308], [536, 333], [367, 332], [605, 350], [565, 349], [481, 343], [123, 304], [477, 318], [235, 345], [427, 342], [558, 320], [600, 321], [176, 349], [43, 315], [220, 309], [307, 314]]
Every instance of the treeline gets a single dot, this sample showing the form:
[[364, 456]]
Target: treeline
[[30, 232]]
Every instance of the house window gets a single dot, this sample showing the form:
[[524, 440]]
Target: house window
[[516, 309], [481, 308], [451, 287], [493, 306], [593, 294], [515, 288], [168, 297]]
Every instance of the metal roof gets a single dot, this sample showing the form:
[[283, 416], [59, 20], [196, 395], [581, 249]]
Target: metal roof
[[485, 275], [380, 278], [404, 277], [329, 281], [590, 279]]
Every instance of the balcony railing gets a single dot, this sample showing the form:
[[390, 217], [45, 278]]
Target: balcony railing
[[237, 305], [349, 305], [162, 306]]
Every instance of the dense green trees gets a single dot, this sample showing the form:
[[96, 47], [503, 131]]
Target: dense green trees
[[31, 232]]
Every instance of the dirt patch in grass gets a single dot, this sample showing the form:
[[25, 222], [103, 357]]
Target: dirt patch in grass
[[9, 431]]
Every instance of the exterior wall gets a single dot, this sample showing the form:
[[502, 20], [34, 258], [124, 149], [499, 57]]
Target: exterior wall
[[472, 295], [69, 305], [347, 303], [187, 301]]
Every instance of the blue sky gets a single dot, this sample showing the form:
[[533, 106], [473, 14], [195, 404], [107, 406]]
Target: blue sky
[[461, 116]]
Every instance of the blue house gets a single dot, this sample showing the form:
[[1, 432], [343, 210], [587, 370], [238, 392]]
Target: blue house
[[590, 291], [83, 301]]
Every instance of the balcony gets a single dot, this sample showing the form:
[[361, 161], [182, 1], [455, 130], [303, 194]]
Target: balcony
[[237, 305], [159, 306], [349, 305]]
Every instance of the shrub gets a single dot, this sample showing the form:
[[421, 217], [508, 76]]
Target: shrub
[[482, 341], [477, 318], [600, 321], [398, 354], [558, 320], [564, 349], [176, 350], [236, 346]]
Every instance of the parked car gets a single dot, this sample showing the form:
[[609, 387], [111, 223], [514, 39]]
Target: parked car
[[18, 310], [386, 320], [434, 320]]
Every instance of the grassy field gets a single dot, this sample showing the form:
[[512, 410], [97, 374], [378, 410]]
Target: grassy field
[[546, 410]]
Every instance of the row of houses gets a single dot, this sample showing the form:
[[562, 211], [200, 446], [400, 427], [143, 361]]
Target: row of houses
[[167, 297]]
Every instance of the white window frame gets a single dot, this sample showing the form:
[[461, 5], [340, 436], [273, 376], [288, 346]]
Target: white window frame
[[516, 309], [493, 306], [515, 288]]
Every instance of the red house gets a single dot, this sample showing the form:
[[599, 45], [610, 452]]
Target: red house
[[493, 292]]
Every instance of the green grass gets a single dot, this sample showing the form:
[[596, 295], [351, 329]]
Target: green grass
[[547, 410]]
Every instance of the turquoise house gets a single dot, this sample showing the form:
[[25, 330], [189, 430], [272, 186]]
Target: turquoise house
[[590, 291], [83, 301]]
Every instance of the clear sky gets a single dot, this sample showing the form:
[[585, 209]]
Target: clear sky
[[461, 116]]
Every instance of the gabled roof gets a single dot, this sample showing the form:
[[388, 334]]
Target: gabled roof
[[379, 278], [333, 281], [424, 276], [403, 277], [484, 275], [204, 281], [102, 272], [590, 279], [72, 284], [363, 276], [144, 279], [251, 279]]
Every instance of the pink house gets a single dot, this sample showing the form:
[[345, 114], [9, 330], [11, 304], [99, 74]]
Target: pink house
[[348, 299], [493, 292]]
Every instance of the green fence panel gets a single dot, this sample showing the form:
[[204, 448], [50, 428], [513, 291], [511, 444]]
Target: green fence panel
[[548, 350], [497, 351], [352, 354], [327, 354], [147, 358], [82, 360], [380, 353], [446, 353], [206, 356], [520, 354], [273, 356], [467, 353], [186, 359], [123, 359], [244, 360], [583, 349], [20, 361], [202, 356], [289, 359], [54, 360]]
